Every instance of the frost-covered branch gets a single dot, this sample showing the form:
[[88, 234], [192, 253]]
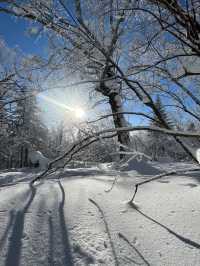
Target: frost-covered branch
[[103, 134], [125, 113]]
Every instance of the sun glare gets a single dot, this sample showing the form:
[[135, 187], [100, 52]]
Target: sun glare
[[79, 112]]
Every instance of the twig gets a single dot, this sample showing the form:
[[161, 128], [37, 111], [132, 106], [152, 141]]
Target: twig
[[113, 183], [76, 147], [79, 145]]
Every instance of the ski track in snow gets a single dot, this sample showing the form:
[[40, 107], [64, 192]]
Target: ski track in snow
[[54, 223]]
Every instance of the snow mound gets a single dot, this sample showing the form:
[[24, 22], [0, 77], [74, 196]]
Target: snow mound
[[36, 157], [198, 155], [106, 166], [140, 164], [14, 176]]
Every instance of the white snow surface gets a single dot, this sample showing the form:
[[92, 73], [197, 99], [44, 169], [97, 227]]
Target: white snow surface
[[140, 164], [198, 155], [54, 223]]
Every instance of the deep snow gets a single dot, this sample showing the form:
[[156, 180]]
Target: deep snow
[[54, 223]]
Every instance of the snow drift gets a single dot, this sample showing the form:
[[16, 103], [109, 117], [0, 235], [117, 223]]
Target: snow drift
[[37, 158], [141, 164]]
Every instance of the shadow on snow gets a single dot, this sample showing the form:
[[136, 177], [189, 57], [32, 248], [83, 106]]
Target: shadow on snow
[[15, 243], [16, 225], [180, 237]]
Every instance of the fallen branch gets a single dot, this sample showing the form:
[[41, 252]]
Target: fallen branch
[[160, 176], [76, 147], [91, 138], [113, 183]]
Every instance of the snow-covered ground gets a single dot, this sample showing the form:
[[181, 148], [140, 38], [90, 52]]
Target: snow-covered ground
[[58, 221]]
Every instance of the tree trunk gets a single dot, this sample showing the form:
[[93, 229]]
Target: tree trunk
[[21, 157], [10, 161], [119, 120], [26, 157]]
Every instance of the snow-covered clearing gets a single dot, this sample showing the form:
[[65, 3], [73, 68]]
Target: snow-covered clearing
[[55, 223]]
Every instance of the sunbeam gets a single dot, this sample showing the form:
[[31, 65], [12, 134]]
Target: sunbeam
[[78, 112]]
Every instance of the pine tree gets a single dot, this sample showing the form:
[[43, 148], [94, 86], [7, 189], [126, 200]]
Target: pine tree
[[158, 141], [165, 116], [26, 131]]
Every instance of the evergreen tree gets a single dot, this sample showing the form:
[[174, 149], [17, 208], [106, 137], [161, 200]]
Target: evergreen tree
[[164, 114], [159, 143]]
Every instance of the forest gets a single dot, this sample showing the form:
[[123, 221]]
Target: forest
[[99, 132]]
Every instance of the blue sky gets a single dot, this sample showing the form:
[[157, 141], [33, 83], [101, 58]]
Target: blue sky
[[14, 32]]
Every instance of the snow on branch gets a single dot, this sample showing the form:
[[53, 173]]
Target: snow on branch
[[94, 137], [75, 148], [122, 113], [155, 129]]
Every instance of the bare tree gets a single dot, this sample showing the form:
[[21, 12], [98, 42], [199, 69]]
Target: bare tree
[[95, 38], [99, 36]]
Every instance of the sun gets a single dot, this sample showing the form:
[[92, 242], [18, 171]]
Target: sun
[[79, 112]]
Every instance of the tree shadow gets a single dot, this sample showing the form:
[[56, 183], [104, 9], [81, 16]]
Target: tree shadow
[[55, 225], [12, 216], [51, 242], [87, 257], [191, 185], [68, 261], [15, 241], [25, 180], [163, 181], [8, 227], [194, 175], [135, 249], [80, 173], [180, 237], [134, 262], [107, 230]]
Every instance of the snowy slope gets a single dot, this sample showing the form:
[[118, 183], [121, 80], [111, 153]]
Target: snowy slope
[[54, 223]]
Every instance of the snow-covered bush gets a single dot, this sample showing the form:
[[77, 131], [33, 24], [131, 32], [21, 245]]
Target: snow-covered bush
[[36, 158], [198, 155]]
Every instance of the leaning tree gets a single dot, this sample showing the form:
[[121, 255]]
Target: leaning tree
[[91, 39], [100, 39]]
